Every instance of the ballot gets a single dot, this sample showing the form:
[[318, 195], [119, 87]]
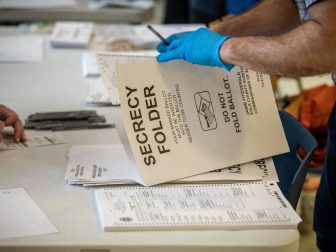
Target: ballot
[[183, 119], [254, 205]]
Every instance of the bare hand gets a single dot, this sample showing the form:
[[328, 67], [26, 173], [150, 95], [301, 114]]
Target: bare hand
[[12, 119]]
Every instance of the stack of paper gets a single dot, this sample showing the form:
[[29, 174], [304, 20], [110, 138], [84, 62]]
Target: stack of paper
[[91, 165], [258, 205], [89, 64], [37, 4], [139, 35], [97, 93], [71, 34], [138, 4], [21, 49]]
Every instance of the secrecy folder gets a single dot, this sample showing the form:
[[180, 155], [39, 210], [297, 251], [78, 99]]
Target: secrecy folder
[[183, 119]]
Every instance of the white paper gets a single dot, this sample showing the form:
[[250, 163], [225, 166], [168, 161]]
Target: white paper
[[183, 119], [71, 34], [257, 205], [21, 49], [262, 169], [107, 63], [98, 163], [20, 216], [97, 92], [139, 35], [89, 65], [139, 4], [32, 141], [108, 165], [32, 4]]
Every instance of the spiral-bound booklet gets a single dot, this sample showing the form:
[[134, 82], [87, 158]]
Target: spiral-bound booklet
[[255, 205]]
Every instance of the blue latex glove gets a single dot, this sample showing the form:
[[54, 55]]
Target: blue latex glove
[[198, 47]]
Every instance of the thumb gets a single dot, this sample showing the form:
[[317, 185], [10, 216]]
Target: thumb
[[167, 56]]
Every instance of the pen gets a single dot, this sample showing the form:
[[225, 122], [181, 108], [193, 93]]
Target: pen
[[158, 34]]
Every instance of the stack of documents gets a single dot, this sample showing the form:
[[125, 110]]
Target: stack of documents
[[93, 165], [258, 205], [71, 34], [138, 4], [21, 49], [37, 4], [138, 35]]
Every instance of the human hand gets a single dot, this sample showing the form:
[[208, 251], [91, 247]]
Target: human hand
[[12, 119], [218, 25], [198, 47]]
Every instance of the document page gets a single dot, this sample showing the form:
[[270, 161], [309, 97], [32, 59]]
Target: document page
[[36, 4], [183, 119], [216, 206], [90, 165], [20, 216], [21, 49], [107, 63], [34, 141], [97, 93], [71, 34]]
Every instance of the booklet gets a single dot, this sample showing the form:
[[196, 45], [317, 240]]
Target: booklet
[[257, 205]]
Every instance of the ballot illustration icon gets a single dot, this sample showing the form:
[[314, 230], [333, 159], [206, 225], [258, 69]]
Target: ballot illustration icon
[[205, 110]]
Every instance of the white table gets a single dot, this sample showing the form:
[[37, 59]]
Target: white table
[[79, 13], [57, 84]]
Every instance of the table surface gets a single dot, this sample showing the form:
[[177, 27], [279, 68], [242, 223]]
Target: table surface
[[57, 84], [79, 13]]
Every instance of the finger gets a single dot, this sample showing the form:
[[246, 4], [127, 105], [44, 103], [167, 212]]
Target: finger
[[2, 126], [18, 131], [175, 36], [10, 117], [161, 47], [170, 55]]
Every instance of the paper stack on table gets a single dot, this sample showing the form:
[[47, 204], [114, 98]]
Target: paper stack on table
[[71, 34], [257, 205], [37, 4], [92, 165], [138, 4], [21, 49], [139, 36]]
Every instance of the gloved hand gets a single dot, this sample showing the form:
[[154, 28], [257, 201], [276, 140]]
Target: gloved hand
[[198, 47]]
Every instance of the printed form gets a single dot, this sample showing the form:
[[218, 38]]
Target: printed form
[[217, 206]]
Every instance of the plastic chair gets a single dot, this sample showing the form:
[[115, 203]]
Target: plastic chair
[[291, 169]]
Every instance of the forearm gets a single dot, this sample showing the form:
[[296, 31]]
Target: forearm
[[309, 49], [268, 17]]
